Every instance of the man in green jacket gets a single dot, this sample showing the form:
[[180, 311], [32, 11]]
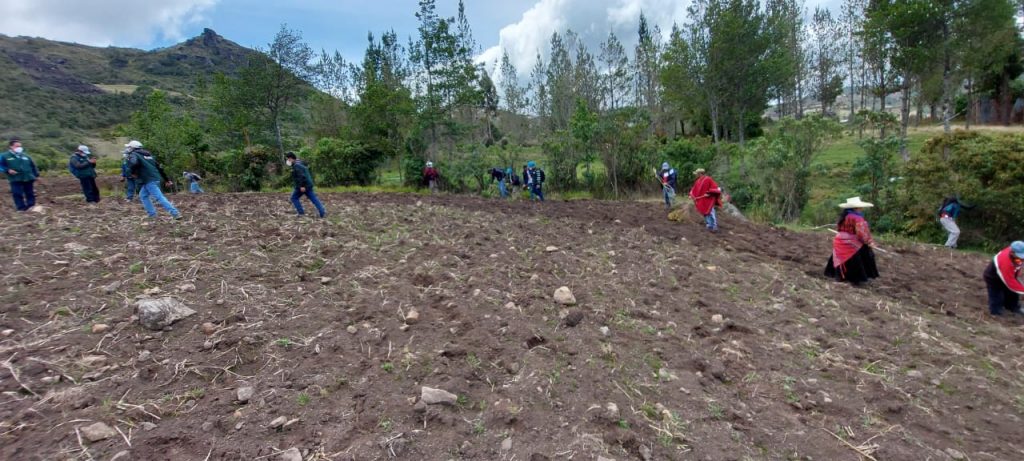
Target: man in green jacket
[[21, 174], [83, 166], [148, 174]]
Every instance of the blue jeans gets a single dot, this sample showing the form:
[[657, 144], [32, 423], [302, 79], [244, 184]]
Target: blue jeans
[[711, 220], [194, 188], [537, 191], [24, 194], [129, 188], [1000, 297], [296, 195], [152, 189], [502, 189], [668, 193]]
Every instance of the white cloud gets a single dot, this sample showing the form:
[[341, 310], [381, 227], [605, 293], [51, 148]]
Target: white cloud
[[103, 22], [591, 19]]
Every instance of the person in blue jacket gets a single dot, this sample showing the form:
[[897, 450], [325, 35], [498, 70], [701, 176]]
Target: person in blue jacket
[[21, 173], [130, 188], [668, 178], [948, 214]]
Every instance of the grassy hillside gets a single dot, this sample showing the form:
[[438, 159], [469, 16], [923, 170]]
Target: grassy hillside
[[56, 94]]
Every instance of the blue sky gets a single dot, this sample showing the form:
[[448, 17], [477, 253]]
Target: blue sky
[[523, 27]]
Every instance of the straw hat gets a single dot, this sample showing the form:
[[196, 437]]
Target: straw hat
[[855, 202], [698, 171]]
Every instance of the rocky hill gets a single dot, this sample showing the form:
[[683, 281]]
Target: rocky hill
[[56, 93]]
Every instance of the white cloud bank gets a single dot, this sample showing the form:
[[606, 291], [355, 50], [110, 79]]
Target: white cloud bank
[[591, 19], [103, 22]]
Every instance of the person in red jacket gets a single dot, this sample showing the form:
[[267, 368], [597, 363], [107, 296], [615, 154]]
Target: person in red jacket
[[430, 175], [706, 196], [853, 259], [1002, 278]]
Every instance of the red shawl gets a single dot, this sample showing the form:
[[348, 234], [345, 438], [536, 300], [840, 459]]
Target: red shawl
[[706, 194], [853, 234], [1008, 272]]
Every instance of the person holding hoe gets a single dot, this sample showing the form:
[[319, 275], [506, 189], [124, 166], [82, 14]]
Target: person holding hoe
[[667, 176], [706, 195], [853, 258], [1002, 279]]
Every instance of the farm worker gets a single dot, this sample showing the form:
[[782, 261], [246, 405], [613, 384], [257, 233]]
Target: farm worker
[[1002, 278], [303, 181], [83, 166], [148, 174], [512, 177], [130, 188], [21, 174], [706, 195], [668, 178], [853, 259], [430, 176], [526, 175], [535, 180], [948, 214], [497, 174], [193, 182]]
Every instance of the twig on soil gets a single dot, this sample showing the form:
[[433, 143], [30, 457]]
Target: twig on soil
[[126, 438], [14, 374], [623, 391], [862, 450], [85, 451]]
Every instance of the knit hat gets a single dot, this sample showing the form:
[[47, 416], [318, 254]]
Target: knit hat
[[664, 166], [531, 164], [1017, 248]]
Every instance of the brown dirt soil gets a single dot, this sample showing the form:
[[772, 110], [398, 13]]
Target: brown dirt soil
[[310, 314]]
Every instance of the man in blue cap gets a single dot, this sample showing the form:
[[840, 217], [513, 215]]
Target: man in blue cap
[[1002, 278], [535, 180], [668, 178]]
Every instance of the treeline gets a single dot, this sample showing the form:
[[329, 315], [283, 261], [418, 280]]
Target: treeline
[[602, 118]]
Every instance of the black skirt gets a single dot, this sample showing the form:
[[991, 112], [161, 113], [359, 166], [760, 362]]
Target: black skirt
[[858, 269]]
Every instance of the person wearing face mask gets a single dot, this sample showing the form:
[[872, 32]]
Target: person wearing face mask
[[303, 181], [148, 174], [21, 174], [83, 166]]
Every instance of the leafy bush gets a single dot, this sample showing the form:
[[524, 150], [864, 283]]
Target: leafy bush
[[340, 162], [986, 170], [248, 169]]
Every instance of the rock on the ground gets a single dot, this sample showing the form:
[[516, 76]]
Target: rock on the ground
[[506, 444], [100, 328], [717, 318], [278, 422], [209, 328], [432, 396], [98, 431], [645, 453], [291, 454], [38, 209], [551, 249], [611, 411], [957, 455], [352, 329], [7, 332], [244, 394], [731, 210], [412, 317], [187, 287], [112, 288], [573, 318], [148, 426], [563, 295], [155, 314]]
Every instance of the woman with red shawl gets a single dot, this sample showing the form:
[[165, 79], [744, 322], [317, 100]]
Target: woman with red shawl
[[706, 196], [852, 257], [1002, 278]]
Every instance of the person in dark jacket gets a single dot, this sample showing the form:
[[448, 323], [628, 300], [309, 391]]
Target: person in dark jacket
[[948, 214], [497, 174], [303, 181], [193, 182], [21, 174], [668, 178], [512, 177], [83, 166], [535, 181], [130, 188], [148, 173], [1002, 279]]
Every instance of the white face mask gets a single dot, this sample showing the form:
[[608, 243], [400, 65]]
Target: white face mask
[[290, 163], [18, 150]]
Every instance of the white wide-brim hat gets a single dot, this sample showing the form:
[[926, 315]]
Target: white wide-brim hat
[[855, 202]]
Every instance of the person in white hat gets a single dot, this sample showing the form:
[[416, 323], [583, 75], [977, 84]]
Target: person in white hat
[[1002, 279], [430, 176], [853, 259], [148, 174], [83, 166]]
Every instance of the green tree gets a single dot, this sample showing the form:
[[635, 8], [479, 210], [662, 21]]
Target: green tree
[[175, 138]]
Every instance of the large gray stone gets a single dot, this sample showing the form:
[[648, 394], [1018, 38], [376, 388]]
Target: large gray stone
[[291, 454], [432, 396], [156, 314]]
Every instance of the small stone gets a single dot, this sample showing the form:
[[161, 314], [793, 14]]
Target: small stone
[[712, 268], [412, 317], [506, 444], [278, 422], [433, 396], [599, 457], [957, 455], [573, 318], [717, 318], [51, 379], [645, 453], [98, 431], [75, 247], [209, 328], [914, 374], [291, 454], [510, 305], [611, 411], [238, 426], [187, 287], [534, 278], [325, 280], [7, 332], [144, 356], [100, 328], [112, 288], [563, 295], [93, 361], [605, 331], [207, 345], [207, 426], [244, 394], [147, 426], [551, 249], [352, 329]]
